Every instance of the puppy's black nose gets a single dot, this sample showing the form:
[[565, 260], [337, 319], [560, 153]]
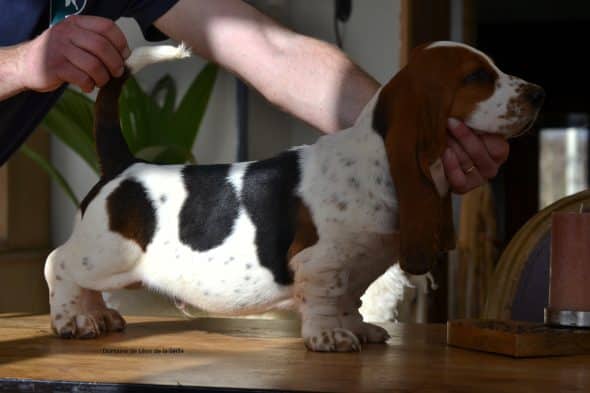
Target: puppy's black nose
[[535, 95]]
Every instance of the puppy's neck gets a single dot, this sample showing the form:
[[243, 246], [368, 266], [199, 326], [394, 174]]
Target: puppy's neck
[[361, 139]]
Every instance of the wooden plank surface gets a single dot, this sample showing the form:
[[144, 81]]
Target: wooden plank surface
[[518, 339], [262, 354]]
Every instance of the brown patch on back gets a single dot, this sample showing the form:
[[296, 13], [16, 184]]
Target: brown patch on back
[[131, 213], [306, 234]]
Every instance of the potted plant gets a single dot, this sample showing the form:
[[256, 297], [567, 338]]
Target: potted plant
[[153, 127]]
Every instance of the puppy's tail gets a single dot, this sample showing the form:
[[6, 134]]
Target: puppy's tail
[[113, 153]]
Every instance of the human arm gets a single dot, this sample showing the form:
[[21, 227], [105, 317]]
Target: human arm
[[308, 78], [82, 50]]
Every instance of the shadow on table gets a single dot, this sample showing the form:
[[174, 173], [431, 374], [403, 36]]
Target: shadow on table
[[150, 333]]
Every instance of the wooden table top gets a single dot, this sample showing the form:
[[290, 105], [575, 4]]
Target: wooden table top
[[263, 354]]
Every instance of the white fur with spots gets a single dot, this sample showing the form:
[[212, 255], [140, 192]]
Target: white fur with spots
[[345, 183]]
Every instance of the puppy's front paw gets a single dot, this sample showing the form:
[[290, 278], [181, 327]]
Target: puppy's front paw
[[333, 340]]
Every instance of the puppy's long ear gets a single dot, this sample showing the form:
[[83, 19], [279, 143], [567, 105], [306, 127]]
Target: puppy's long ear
[[412, 118]]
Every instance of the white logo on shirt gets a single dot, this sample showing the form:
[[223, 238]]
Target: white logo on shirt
[[68, 2]]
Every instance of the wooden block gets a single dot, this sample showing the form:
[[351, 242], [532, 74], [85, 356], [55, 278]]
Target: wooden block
[[517, 339]]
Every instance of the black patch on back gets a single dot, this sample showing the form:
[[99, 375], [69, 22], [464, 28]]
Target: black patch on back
[[268, 194], [210, 209], [131, 213]]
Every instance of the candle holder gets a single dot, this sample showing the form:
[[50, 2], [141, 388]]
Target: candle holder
[[567, 318], [569, 292], [566, 329]]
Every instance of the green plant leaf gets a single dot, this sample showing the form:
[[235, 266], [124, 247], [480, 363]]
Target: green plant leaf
[[154, 132], [80, 108], [51, 171], [71, 121], [140, 117], [162, 117], [162, 154], [191, 109], [134, 114], [165, 86]]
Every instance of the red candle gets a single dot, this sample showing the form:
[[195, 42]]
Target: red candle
[[569, 287]]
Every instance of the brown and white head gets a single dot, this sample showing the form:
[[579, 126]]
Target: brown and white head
[[442, 80]]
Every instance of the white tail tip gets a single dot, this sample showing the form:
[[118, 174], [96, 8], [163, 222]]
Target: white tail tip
[[146, 55]]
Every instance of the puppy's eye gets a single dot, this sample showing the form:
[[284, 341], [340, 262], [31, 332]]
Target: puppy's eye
[[481, 75]]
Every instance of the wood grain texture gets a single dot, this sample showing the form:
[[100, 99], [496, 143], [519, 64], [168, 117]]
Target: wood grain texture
[[22, 283], [24, 199], [259, 354], [3, 204], [517, 339], [404, 32]]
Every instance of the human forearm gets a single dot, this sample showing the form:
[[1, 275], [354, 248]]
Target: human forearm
[[320, 85], [306, 77], [9, 72]]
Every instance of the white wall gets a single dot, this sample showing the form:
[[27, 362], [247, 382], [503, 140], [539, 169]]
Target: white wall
[[371, 38]]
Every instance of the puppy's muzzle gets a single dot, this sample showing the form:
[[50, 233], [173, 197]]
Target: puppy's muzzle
[[535, 95]]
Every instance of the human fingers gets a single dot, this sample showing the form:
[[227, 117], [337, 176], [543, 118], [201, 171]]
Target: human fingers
[[460, 181], [104, 27], [99, 47], [497, 147], [87, 63], [70, 74], [474, 148]]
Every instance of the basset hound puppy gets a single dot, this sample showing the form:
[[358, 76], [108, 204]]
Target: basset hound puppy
[[310, 228]]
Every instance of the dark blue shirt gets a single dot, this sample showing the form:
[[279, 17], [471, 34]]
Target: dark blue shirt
[[22, 20]]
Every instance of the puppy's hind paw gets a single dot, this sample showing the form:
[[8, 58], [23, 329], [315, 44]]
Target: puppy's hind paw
[[88, 325], [333, 340]]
